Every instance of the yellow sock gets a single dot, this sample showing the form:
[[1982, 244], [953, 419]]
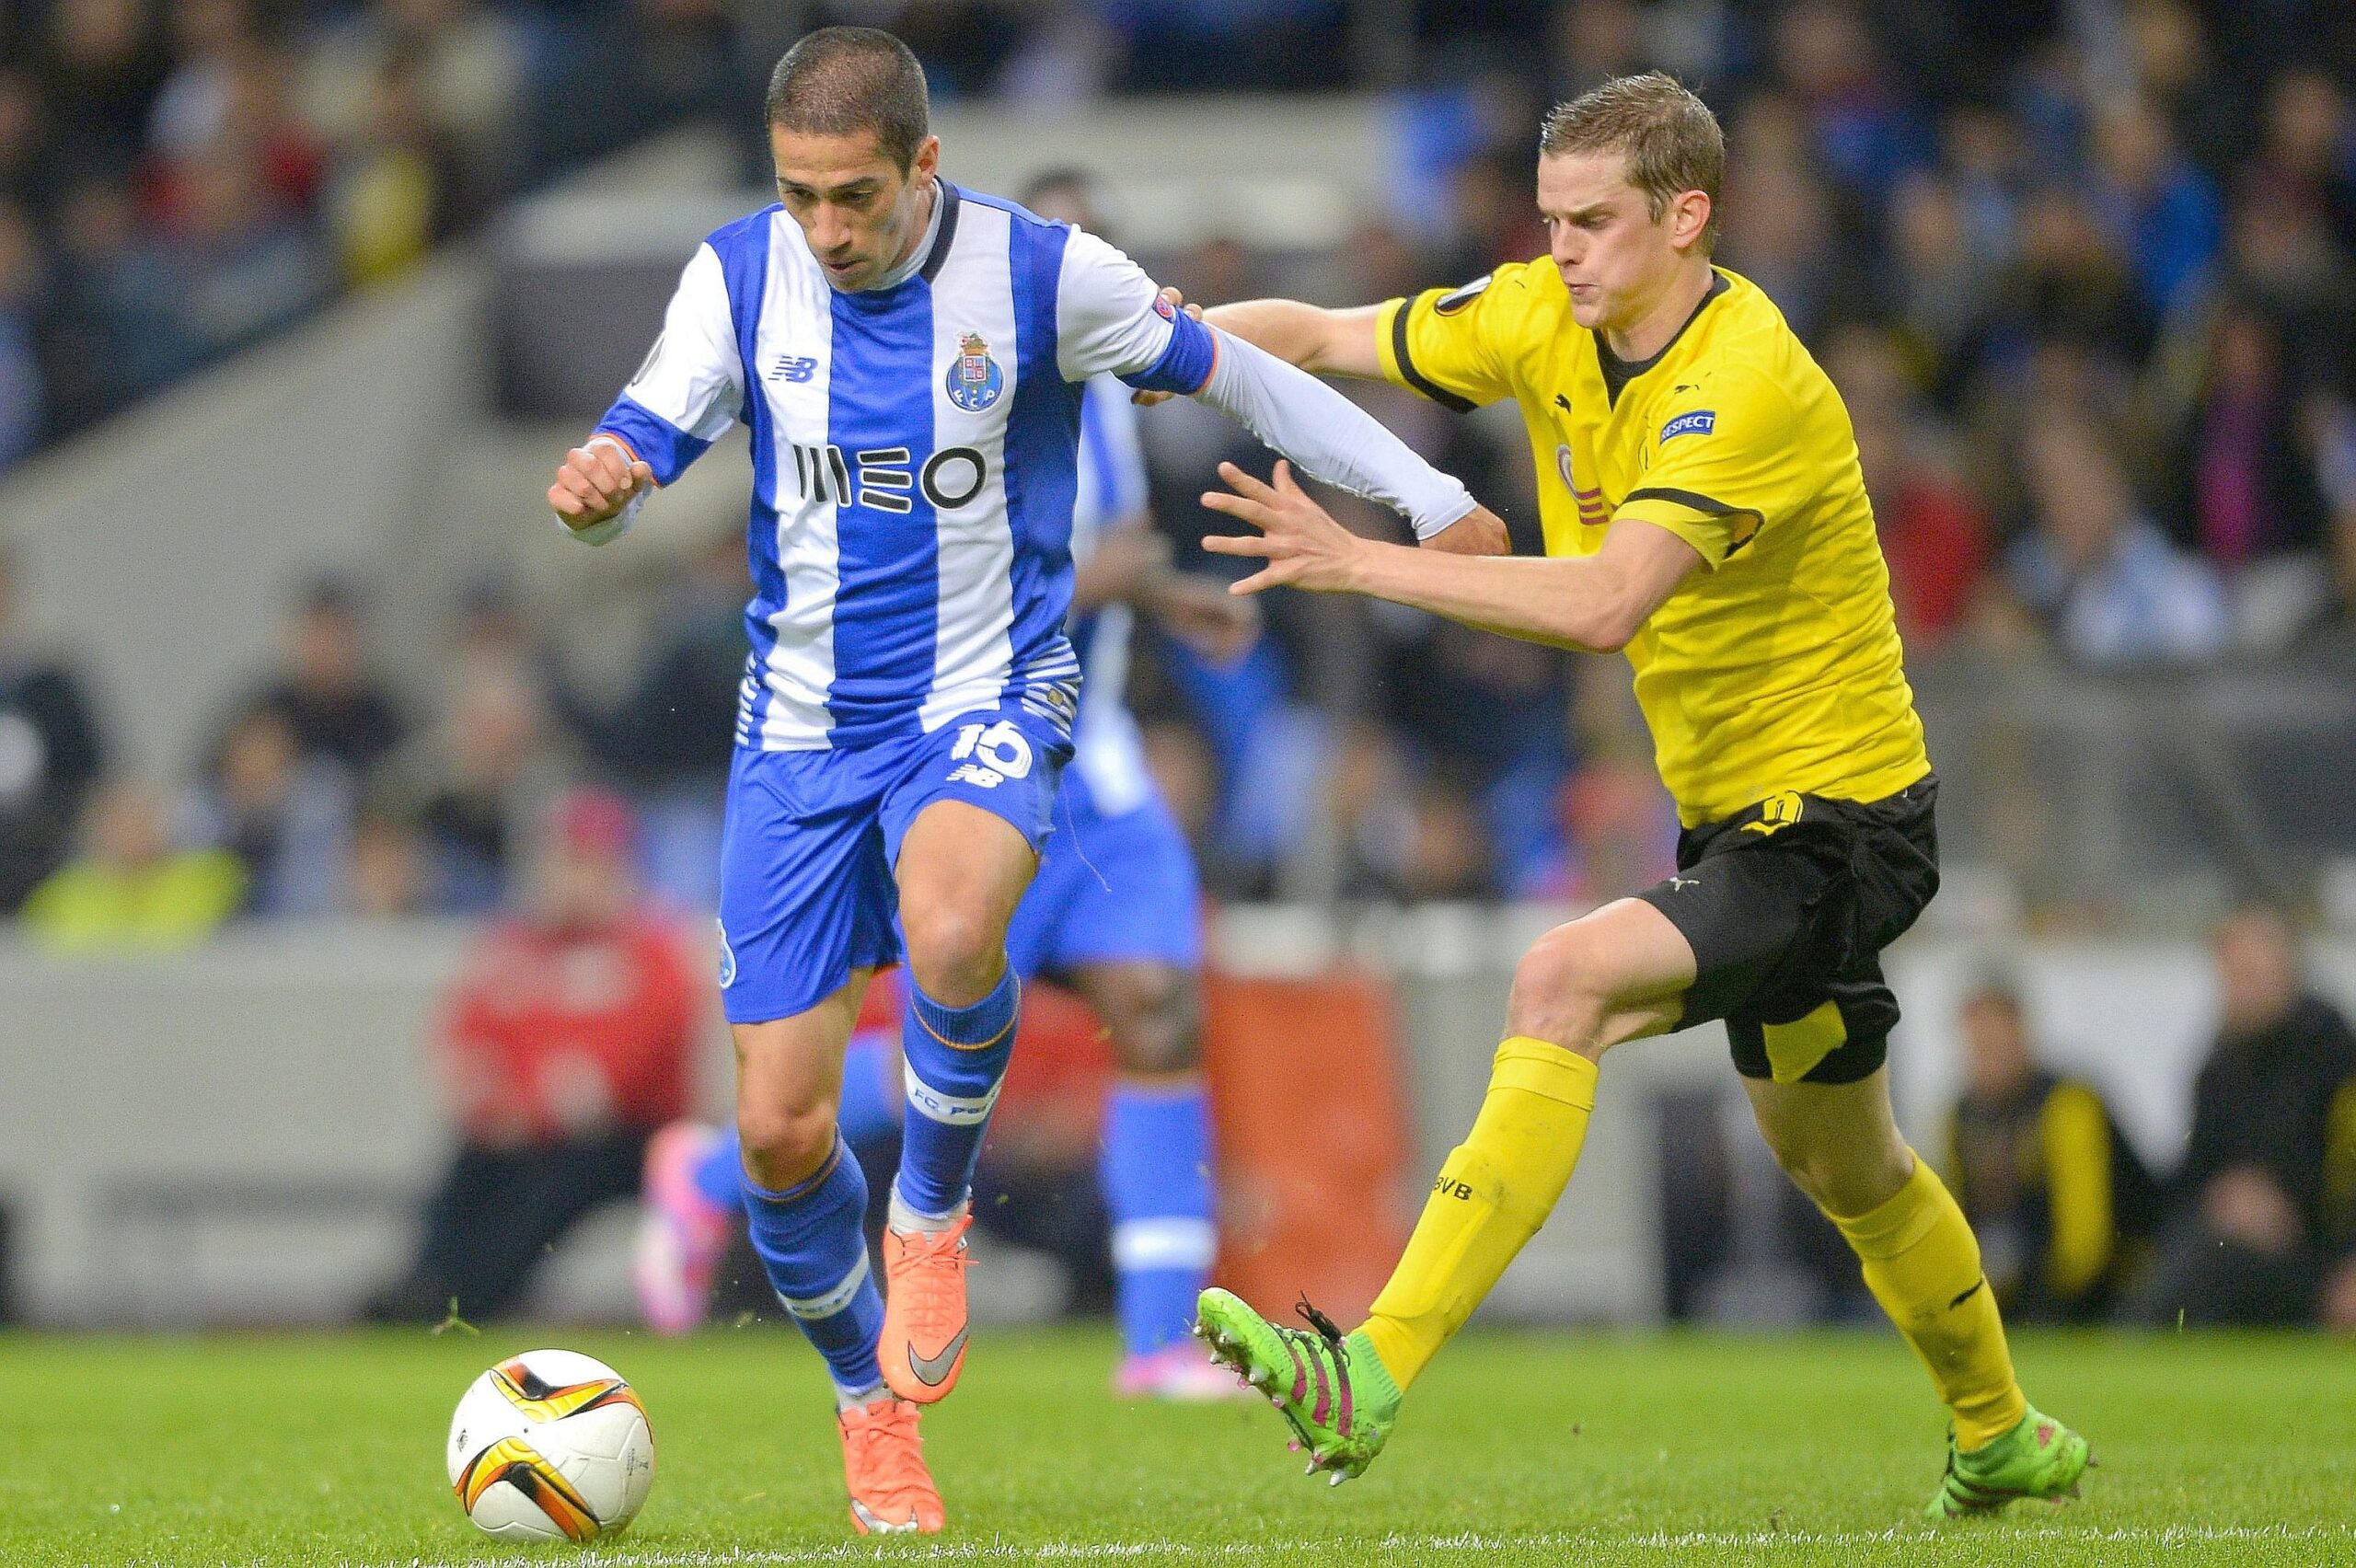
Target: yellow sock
[[1923, 1264], [1493, 1192]]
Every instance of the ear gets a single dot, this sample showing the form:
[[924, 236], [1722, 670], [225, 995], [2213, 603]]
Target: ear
[[1689, 217], [927, 162]]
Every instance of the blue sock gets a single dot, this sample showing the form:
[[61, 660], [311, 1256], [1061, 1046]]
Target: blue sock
[[954, 1060], [868, 1111], [811, 1240], [1156, 1172]]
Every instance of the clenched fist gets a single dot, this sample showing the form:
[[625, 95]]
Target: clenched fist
[[596, 481]]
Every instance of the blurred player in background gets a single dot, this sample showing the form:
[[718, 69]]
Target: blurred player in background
[[912, 359], [1114, 911], [2056, 1195], [1703, 510]]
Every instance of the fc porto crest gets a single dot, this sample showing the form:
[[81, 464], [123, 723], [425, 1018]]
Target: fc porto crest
[[975, 379]]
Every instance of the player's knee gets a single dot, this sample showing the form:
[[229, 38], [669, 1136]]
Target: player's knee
[[785, 1144], [1559, 993], [957, 952], [1155, 1021]]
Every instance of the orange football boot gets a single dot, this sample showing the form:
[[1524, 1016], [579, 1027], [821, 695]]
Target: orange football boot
[[923, 1346], [890, 1489]]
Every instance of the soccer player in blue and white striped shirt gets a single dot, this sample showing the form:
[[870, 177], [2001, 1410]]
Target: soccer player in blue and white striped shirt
[[910, 360]]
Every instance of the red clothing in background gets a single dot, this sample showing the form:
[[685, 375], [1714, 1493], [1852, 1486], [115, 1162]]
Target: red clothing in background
[[1937, 543], [555, 1034]]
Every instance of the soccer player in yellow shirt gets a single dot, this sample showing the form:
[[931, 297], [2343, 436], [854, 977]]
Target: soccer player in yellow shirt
[[1703, 512]]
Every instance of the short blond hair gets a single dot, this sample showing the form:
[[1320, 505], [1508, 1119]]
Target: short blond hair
[[1672, 141]]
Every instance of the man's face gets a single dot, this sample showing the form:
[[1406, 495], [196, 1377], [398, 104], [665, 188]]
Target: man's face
[[1996, 1054], [1615, 257], [860, 211], [2257, 971]]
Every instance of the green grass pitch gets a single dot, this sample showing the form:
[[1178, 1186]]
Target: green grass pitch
[[1587, 1449]]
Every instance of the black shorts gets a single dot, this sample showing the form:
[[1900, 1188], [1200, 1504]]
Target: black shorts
[[1787, 908]]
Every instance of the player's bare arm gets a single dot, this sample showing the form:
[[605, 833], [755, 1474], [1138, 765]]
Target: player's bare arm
[[1323, 342], [1594, 604]]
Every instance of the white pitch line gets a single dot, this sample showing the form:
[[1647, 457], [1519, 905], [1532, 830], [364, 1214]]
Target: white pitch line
[[1659, 1540]]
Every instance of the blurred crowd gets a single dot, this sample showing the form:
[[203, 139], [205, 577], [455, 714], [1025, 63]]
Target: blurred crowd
[[2250, 1221], [179, 178], [2082, 272]]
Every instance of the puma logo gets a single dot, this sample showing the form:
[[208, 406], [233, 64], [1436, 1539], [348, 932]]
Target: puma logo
[[934, 1370]]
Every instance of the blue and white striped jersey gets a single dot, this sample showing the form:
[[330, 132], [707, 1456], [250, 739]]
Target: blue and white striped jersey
[[915, 457], [1108, 750]]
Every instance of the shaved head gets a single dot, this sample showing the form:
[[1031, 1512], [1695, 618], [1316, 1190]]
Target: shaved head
[[842, 80]]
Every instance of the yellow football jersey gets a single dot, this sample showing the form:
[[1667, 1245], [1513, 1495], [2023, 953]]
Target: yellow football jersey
[[1778, 666]]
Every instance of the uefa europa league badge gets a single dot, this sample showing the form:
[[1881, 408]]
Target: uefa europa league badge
[[975, 379]]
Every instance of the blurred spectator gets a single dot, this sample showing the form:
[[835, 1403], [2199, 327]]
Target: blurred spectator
[[469, 60], [2105, 579], [336, 708], [2069, 281], [2308, 153], [2161, 210], [103, 67], [1859, 125], [111, 333], [387, 875], [670, 735], [2259, 1214], [130, 890], [285, 816], [1786, 240], [1933, 533], [2055, 1194], [51, 752], [25, 175], [1938, 293], [24, 397], [242, 266], [2244, 487], [2206, 105], [670, 730], [568, 1038], [394, 192], [475, 783], [1488, 721]]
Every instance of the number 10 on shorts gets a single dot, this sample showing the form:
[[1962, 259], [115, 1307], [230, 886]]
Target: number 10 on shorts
[[989, 755]]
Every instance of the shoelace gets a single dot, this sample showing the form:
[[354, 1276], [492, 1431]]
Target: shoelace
[[928, 1312], [1327, 1339], [884, 1447]]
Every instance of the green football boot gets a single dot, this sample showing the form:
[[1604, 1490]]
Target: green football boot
[[1332, 1389], [2040, 1457]]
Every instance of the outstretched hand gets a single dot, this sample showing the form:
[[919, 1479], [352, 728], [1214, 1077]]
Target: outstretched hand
[[1303, 546]]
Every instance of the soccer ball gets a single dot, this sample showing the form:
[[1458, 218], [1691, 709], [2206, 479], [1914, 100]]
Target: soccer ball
[[551, 1445]]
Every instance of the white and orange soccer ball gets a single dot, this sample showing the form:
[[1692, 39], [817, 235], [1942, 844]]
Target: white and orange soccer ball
[[551, 1445]]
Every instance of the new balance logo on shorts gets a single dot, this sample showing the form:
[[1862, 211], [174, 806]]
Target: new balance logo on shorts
[[1000, 752]]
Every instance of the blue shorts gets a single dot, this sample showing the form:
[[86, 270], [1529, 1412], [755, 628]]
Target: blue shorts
[[806, 856], [1110, 889]]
